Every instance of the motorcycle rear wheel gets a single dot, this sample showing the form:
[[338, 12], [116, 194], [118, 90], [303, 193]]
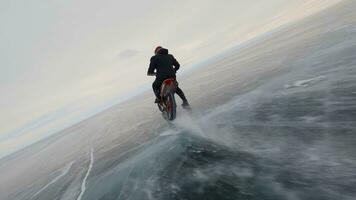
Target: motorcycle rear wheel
[[171, 107]]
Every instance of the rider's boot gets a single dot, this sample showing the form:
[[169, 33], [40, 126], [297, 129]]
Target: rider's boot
[[185, 104], [157, 100], [180, 93]]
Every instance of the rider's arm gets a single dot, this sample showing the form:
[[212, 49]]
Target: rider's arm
[[175, 63], [151, 68]]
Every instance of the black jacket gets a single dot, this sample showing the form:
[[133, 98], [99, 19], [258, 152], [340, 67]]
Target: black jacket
[[164, 64]]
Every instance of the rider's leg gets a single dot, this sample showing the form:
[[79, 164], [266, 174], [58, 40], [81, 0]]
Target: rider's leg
[[156, 86], [180, 93]]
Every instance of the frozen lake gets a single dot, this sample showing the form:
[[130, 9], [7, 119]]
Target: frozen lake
[[273, 119]]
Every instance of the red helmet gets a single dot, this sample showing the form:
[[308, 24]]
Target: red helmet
[[157, 49]]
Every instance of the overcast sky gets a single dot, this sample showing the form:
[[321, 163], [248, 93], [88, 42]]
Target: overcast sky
[[60, 59]]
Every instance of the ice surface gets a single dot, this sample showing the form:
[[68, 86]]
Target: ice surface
[[248, 137]]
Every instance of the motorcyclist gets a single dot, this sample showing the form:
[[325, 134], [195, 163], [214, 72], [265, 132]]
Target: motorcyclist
[[164, 66]]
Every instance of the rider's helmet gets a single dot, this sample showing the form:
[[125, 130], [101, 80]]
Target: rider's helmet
[[157, 49]]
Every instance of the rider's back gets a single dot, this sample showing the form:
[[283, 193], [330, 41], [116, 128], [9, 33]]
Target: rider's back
[[165, 64]]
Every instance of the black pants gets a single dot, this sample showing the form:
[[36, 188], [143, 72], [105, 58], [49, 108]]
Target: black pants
[[156, 85]]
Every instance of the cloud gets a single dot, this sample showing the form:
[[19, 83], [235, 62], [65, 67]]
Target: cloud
[[126, 54]]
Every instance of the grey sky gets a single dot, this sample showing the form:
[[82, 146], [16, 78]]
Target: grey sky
[[75, 55]]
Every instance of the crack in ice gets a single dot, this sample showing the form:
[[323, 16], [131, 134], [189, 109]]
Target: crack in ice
[[304, 83], [126, 180], [64, 171], [83, 187]]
